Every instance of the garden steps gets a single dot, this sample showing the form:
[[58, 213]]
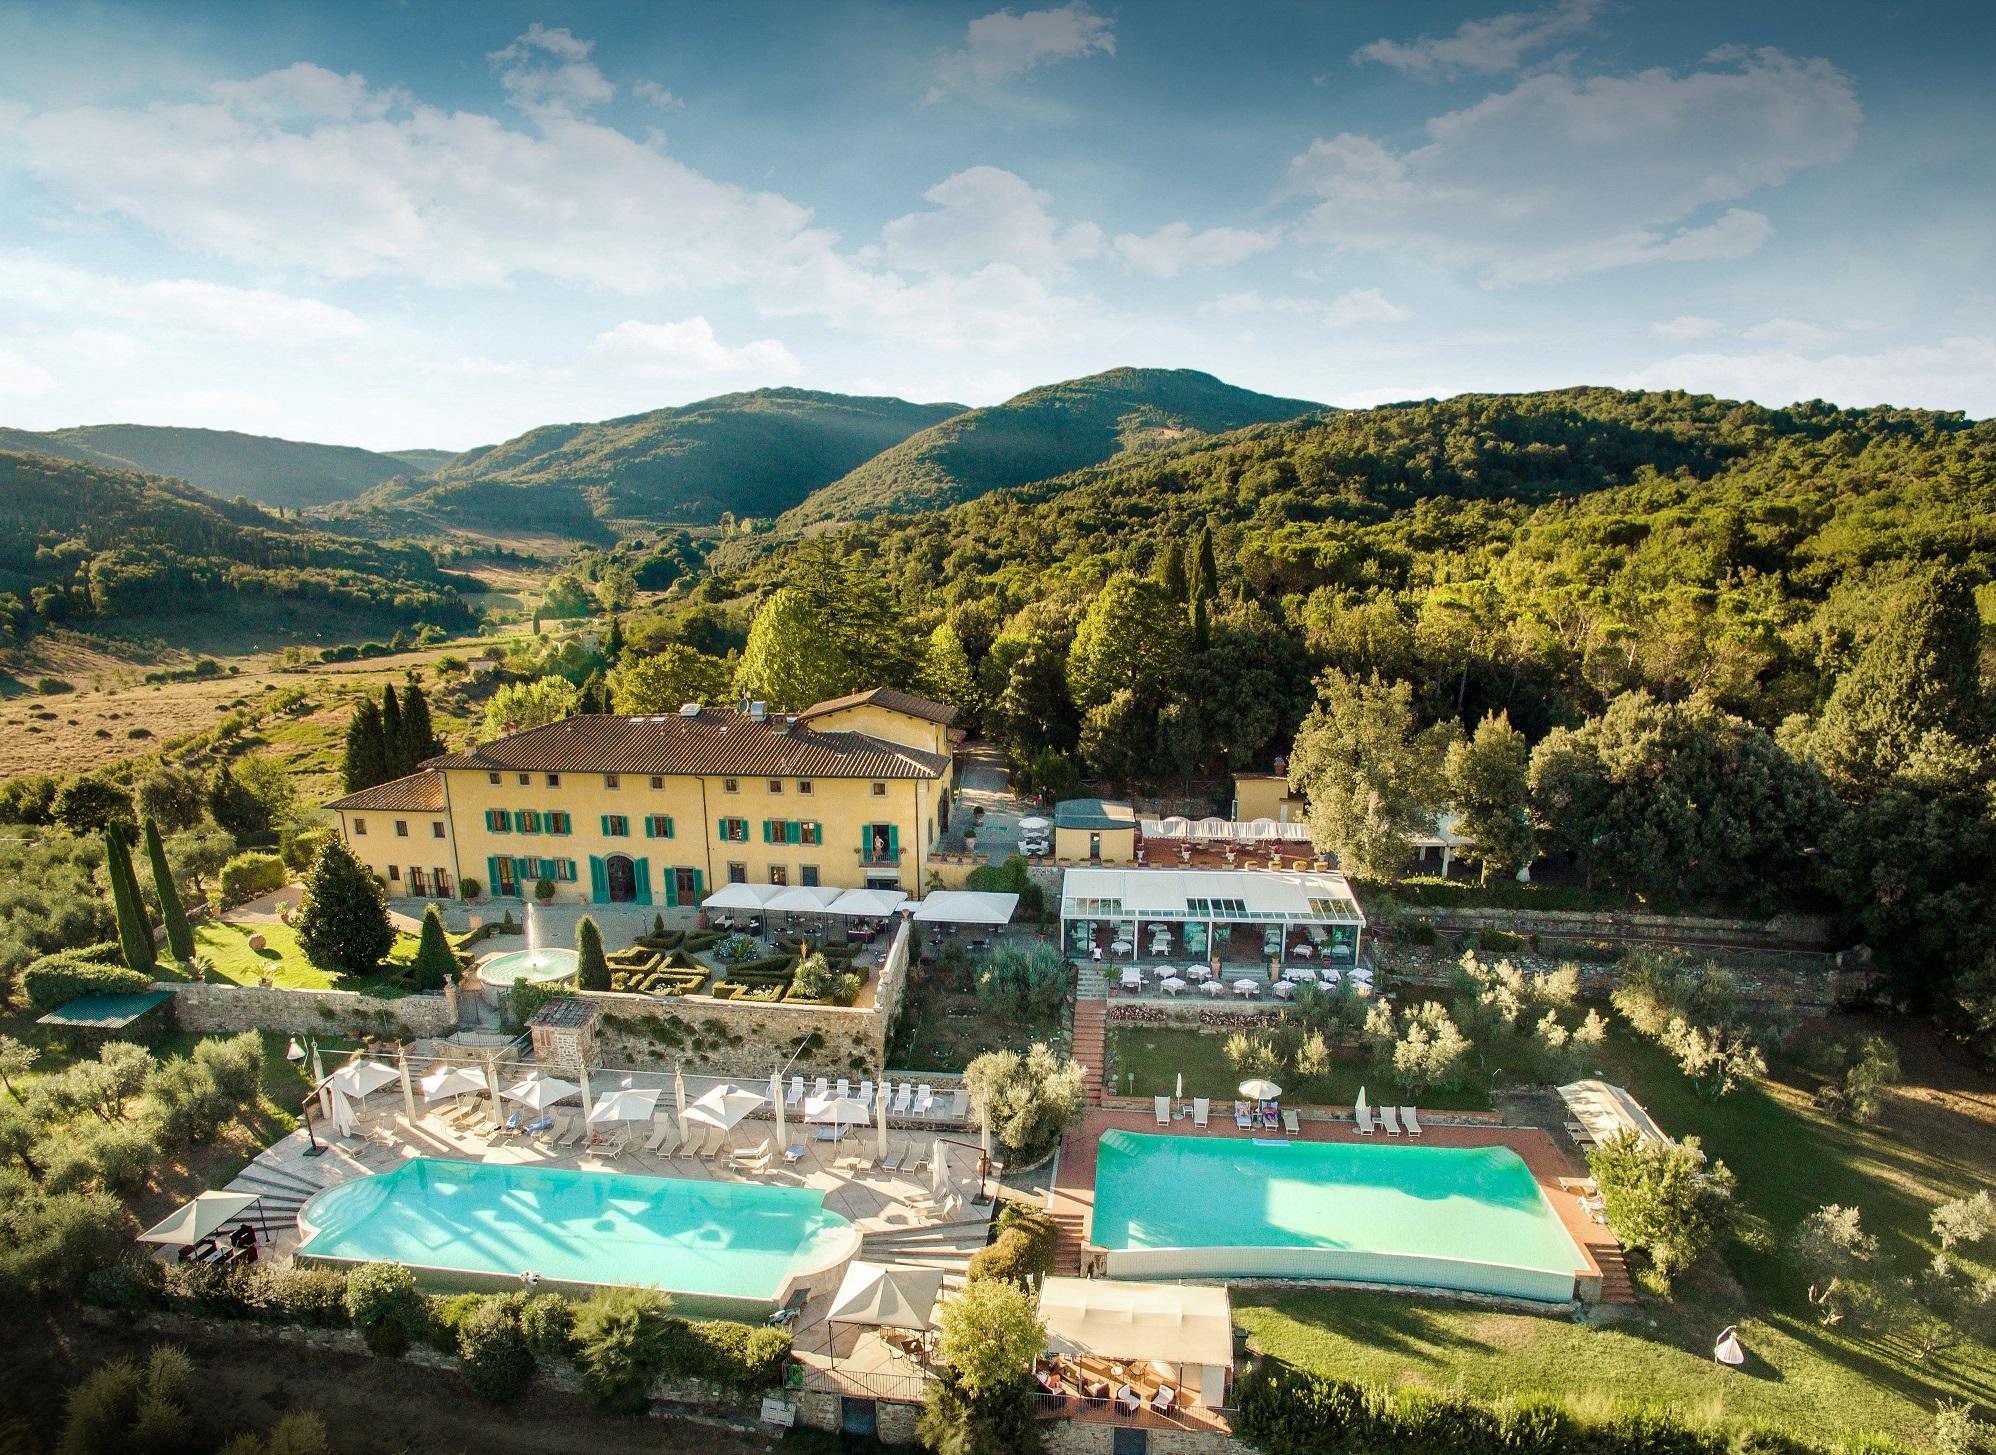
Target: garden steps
[[1091, 1029], [1068, 1232], [1616, 1285]]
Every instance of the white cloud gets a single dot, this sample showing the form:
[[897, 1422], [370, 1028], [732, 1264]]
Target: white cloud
[[1002, 45], [305, 92], [549, 68], [656, 95], [1559, 176], [1349, 309], [182, 307], [1175, 247], [23, 378], [986, 215], [1955, 373], [1792, 334], [1685, 327], [1485, 46], [689, 350], [1363, 305]]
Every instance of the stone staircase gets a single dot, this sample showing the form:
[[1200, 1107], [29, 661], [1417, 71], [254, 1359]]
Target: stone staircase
[[1067, 1244], [282, 1192], [1616, 1285], [946, 1246], [1091, 1030]]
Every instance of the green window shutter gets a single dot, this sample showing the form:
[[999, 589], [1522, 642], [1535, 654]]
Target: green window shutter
[[671, 889], [605, 823], [648, 833], [721, 830], [641, 873], [796, 831], [599, 880], [765, 832], [699, 889], [668, 825], [894, 842], [491, 874], [523, 870]]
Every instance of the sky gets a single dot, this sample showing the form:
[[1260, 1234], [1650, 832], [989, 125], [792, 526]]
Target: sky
[[438, 224]]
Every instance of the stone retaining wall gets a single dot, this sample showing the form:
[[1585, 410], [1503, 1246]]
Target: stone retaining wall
[[1088, 1437], [1783, 931], [208, 1009]]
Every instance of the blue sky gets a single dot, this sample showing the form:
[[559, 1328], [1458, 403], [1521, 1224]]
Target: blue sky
[[440, 224]]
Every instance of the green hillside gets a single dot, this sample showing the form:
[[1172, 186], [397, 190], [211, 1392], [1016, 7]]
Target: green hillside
[[1044, 432], [422, 462], [271, 472], [80, 542], [749, 455]]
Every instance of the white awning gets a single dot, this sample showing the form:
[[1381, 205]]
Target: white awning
[[887, 1297], [968, 907], [1173, 1323], [805, 898], [723, 1107], [1609, 1111], [1225, 896], [1262, 830], [741, 896], [868, 903], [199, 1219]]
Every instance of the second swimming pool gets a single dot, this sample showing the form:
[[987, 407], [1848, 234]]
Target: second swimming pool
[[1469, 1218]]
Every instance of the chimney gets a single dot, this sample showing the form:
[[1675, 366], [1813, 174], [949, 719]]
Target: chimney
[[758, 710]]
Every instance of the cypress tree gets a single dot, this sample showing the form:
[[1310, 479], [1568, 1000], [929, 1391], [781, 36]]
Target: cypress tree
[[134, 931], [343, 921], [434, 964], [594, 696], [364, 762], [613, 642], [179, 937], [592, 971], [1205, 571], [391, 731], [419, 738], [1171, 569], [1202, 625], [233, 806]]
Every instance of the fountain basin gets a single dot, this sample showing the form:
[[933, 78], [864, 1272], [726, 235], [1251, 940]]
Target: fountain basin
[[534, 965]]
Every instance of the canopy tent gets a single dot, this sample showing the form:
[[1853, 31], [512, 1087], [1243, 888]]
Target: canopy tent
[[741, 896], [887, 1296], [452, 1081], [1206, 830], [358, 1078], [200, 1219], [837, 1111], [1609, 1111], [723, 1107], [624, 1106], [805, 898], [867, 903], [967, 907], [539, 1092], [1172, 1323]]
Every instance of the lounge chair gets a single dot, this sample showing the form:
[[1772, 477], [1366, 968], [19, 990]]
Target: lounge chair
[[866, 1093], [796, 1152], [795, 1095], [1162, 1106], [577, 1130], [553, 1128], [844, 1088], [1410, 1121], [1243, 1118], [920, 1161], [1127, 1398], [925, 1100], [1364, 1114], [1202, 1107], [716, 1143], [904, 1097], [756, 1157], [508, 1128], [1392, 1120], [821, 1090], [959, 1106], [616, 1145], [1290, 1124], [662, 1131], [895, 1156]]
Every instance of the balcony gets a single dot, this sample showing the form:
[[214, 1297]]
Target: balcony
[[879, 858]]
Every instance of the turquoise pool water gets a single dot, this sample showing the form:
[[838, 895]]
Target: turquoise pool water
[[723, 1240], [1459, 1217]]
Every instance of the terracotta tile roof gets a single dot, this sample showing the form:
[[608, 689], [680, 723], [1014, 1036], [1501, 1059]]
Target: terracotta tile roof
[[716, 742], [886, 697], [418, 793]]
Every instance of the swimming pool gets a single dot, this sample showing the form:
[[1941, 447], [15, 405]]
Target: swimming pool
[[732, 1244], [1467, 1218]]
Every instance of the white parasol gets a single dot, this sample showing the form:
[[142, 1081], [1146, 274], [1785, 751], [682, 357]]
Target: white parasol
[[451, 1081], [623, 1106], [723, 1107], [538, 1092], [1260, 1089]]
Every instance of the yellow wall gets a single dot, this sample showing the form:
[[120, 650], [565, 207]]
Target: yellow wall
[[895, 727], [380, 846], [1264, 796], [1119, 846]]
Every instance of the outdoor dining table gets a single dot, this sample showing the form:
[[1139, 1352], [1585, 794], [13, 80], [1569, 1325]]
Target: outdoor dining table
[[1171, 985], [1302, 952], [1285, 990], [1213, 987], [1121, 947], [1298, 972], [1247, 989]]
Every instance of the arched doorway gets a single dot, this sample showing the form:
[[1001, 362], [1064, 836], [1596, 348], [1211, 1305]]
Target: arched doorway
[[622, 877]]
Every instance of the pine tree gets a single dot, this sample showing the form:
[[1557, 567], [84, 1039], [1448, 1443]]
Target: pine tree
[[134, 932], [592, 970], [343, 921], [364, 762], [179, 937], [419, 737], [391, 731], [435, 963]]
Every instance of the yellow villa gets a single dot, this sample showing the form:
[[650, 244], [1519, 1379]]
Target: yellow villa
[[850, 793]]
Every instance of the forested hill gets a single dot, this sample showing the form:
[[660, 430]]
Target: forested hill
[[269, 471], [1044, 432], [753, 454], [79, 541]]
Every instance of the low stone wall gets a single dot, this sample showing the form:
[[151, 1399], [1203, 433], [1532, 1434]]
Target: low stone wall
[[894, 1420], [1089, 1437], [208, 1009], [1814, 987], [1782, 931]]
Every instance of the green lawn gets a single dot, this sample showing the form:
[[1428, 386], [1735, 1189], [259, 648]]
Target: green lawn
[[1938, 1140], [227, 948]]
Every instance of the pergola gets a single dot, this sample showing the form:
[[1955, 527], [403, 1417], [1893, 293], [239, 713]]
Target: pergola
[[1185, 1325], [1201, 901]]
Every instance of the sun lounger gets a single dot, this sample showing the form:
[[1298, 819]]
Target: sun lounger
[[661, 1133], [1202, 1107], [1290, 1124], [795, 1095], [865, 1097], [1391, 1118], [618, 1144], [577, 1130], [925, 1100], [844, 1088], [749, 1154], [821, 1089], [920, 1162], [1410, 1121], [904, 1098], [716, 1143], [1243, 1118], [1364, 1121], [895, 1155], [1161, 1105], [959, 1106], [508, 1128], [795, 1152]]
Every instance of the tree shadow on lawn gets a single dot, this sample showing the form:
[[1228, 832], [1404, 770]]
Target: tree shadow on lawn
[[1429, 1332]]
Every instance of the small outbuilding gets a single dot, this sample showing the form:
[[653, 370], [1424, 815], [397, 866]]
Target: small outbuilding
[[1095, 829], [1186, 1330]]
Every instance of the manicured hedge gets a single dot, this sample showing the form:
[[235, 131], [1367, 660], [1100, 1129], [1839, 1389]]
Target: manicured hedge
[[250, 874], [1022, 1251], [55, 980]]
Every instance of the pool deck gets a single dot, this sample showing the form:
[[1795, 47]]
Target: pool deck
[[1073, 1197]]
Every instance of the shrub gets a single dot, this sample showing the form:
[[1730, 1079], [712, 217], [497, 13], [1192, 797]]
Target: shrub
[[298, 847], [1663, 1198], [236, 1064], [548, 1321], [382, 1301], [592, 971], [343, 920], [435, 963], [55, 980], [735, 950], [1032, 1100], [619, 1339], [1023, 981], [739, 1356], [543, 890], [249, 874], [1023, 1250], [443, 1314], [469, 889], [497, 1361]]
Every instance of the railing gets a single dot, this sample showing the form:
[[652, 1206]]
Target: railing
[[879, 858], [1111, 1412], [891, 1385]]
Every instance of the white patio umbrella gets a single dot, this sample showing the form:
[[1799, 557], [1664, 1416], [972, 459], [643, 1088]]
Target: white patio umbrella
[[868, 903], [1359, 1105], [408, 1085], [1179, 1090], [741, 896], [361, 1077], [805, 898], [451, 1081], [984, 1135], [1033, 823], [1259, 1088], [538, 1092], [881, 1102], [492, 1086], [776, 1100], [199, 1219], [623, 1106], [679, 1093], [723, 1107], [837, 1111], [319, 1080], [939, 1175]]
